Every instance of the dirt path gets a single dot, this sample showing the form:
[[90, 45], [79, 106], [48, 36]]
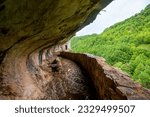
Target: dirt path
[[67, 80]]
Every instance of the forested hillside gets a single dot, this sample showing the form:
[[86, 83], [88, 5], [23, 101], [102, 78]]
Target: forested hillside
[[125, 45]]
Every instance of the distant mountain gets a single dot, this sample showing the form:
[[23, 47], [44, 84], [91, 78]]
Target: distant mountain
[[125, 45]]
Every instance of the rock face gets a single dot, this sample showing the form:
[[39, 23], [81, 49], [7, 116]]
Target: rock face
[[110, 83], [28, 30]]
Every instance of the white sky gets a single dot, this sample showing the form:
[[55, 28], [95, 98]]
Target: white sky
[[116, 11]]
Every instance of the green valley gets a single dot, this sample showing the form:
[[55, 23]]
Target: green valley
[[125, 45]]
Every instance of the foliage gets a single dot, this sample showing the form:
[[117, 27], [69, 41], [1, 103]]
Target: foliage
[[125, 45]]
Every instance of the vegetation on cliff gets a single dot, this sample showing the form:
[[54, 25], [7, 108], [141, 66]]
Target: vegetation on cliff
[[125, 45]]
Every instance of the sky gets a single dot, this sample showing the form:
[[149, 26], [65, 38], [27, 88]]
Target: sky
[[116, 11]]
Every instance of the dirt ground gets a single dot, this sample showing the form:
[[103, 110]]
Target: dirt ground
[[68, 81]]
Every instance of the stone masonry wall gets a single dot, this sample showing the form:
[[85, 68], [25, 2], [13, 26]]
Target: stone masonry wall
[[110, 82]]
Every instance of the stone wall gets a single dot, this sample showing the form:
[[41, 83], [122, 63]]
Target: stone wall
[[110, 82]]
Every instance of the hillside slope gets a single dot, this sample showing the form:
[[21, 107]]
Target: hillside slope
[[125, 45]]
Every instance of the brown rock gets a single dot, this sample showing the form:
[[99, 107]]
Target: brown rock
[[28, 28], [110, 83]]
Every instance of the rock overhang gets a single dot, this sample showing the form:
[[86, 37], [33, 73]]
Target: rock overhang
[[29, 28], [34, 25]]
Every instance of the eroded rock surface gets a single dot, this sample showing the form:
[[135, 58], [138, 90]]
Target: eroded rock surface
[[27, 29], [57, 78]]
